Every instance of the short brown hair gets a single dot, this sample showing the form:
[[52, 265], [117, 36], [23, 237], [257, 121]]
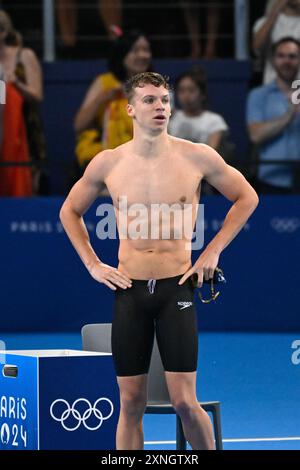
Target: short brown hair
[[145, 78]]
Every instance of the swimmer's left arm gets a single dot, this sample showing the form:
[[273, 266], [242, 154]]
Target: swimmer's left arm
[[231, 184]]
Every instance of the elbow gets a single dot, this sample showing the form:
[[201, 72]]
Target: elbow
[[36, 95], [39, 95], [255, 139], [257, 44], [62, 212], [254, 136], [249, 199], [76, 124], [39, 98], [36, 98], [61, 215], [253, 200], [68, 212]]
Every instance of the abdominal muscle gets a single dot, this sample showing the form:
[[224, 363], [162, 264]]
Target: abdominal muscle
[[148, 259]]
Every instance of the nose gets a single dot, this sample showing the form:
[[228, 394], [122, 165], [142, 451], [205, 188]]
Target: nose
[[160, 106]]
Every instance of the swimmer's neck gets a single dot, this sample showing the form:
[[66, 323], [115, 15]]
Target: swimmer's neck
[[149, 146]]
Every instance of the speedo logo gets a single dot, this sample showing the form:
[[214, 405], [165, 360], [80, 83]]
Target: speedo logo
[[184, 305]]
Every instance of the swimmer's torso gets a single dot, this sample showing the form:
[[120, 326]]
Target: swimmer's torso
[[155, 202]]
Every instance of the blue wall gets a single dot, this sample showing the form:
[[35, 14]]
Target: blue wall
[[67, 82], [44, 285]]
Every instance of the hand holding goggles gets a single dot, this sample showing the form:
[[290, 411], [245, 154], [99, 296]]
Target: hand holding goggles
[[218, 278]]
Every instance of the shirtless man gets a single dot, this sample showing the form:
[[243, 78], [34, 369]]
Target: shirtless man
[[153, 276]]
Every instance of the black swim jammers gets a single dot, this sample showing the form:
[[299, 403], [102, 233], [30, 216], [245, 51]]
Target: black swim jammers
[[160, 307]]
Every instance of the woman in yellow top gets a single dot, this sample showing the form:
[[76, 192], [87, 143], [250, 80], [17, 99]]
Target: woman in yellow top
[[102, 121]]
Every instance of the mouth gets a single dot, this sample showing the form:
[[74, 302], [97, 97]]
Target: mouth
[[160, 118]]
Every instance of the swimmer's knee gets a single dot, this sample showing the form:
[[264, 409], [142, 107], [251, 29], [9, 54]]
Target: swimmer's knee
[[133, 404]]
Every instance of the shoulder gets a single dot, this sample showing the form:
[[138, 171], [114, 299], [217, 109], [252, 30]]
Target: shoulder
[[28, 55], [101, 165], [201, 156]]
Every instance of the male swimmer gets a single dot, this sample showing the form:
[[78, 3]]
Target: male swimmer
[[153, 289]]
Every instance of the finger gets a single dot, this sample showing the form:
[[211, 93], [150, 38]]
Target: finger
[[208, 274], [108, 284], [185, 276], [124, 278], [118, 281], [211, 273], [200, 278]]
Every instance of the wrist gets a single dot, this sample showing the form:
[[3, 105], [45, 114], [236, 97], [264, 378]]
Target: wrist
[[91, 265], [216, 247]]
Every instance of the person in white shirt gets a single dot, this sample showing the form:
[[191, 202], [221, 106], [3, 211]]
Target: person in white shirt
[[282, 18], [193, 121]]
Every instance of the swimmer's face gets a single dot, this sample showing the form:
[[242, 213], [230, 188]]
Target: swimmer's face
[[286, 61], [189, 95], [139, 57], [150, 107]]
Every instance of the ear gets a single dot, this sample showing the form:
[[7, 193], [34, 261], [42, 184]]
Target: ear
[[130, 110]]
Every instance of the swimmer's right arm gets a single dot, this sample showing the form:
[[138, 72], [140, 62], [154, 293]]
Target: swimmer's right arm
[[80, 198]]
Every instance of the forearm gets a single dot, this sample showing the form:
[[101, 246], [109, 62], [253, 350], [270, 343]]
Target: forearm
[[29, 93], [79, 237], [191, 18], [213, 19], [263, 131], [87, 115], [111, 14], [262, 36], [236, 218]]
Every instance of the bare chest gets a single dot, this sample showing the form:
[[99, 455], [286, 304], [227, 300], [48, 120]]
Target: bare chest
[[155, 183]]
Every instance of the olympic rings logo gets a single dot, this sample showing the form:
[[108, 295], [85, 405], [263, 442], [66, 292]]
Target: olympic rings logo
[[81, 418], [285, 225]]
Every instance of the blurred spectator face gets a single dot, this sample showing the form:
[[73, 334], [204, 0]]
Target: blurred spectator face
[[286, 61], [139, 57], [189, 95]]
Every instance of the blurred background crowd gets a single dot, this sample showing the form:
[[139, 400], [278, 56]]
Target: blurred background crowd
[[233, 66]]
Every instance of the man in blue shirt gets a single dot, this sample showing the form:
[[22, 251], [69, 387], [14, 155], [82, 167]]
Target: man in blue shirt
[[273, 118]]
